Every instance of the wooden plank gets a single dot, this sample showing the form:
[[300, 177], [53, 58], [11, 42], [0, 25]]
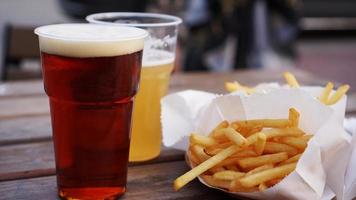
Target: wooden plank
[[213, 82], [38, 105], [25, 106], [38, 128], [18, 160], [21, 88], [37, 159], [30, 114], [25, 129], [351, 103], [149, 182], [30, 104]]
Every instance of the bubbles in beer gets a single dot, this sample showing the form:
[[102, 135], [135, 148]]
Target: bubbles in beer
[[153, 58]]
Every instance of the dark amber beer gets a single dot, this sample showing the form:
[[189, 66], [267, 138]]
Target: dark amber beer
[[91, 75]]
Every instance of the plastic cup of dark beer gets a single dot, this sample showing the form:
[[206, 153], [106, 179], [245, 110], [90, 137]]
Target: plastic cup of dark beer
[[91, 75]]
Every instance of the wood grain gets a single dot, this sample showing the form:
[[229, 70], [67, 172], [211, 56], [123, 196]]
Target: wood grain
[[37, 159], [25, 130], [16, 101], [26, 150], [21, 88], [214, 82], [351, 103], [149, 182], [198, 80], [24, 112], [23, 107], [19, 159]]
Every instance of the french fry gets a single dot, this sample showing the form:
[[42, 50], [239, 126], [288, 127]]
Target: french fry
[[234, 158], [273, 182], [204, 166], [279, 132], [266, 175], [228, 175], [231, 86], [306, 137], [254, 130], [244, 153], [234, 136], [235, 86], [216, 169], [243, 156], [291, 80], [259, 169], [326, 93], [291, 159], [234, 126], [213, 151], [221, 145], [236, 186], [252, 138], [267, 123], [274, 147], [216, 182], [218, 134], [223, 124], [202, 140], [245, 131], [262, 187], [253, 162], [296, 142], [294, 117], [229, 161], [275, 139], [199, 152], [193, 158], [248, 90], [232, 167], [260, 143], [340, 92]]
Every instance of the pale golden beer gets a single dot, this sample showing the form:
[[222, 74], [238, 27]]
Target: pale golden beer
[[157, 65], [146, 129]]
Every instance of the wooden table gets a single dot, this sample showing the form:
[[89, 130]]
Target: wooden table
[[26, 152]]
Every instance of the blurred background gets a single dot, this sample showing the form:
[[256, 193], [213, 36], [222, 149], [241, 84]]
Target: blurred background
[[217, 35]]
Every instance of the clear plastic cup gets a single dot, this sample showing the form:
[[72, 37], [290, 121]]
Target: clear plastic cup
[[157, 65], [91, 74]]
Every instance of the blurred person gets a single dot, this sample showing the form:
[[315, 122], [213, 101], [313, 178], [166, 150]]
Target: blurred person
[[79, 9], [217, 35], [231, 34]]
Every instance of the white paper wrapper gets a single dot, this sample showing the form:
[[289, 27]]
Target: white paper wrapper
[[320, 171], [350, 178], [315, 91]]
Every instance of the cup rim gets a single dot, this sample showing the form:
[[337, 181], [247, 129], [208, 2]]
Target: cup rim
[[174, 20], [41, 32]]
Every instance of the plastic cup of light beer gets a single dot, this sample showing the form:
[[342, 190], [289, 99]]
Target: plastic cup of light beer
[[91, 75], [157, 65]]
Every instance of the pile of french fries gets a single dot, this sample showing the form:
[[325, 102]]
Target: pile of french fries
[[246, 156], [325, 97]]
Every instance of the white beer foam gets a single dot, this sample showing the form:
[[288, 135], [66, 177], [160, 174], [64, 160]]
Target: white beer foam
[[153, 57], [90, 40]]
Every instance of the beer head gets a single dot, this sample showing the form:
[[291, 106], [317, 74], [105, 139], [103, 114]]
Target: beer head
[[90, 40], [154, 58]]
